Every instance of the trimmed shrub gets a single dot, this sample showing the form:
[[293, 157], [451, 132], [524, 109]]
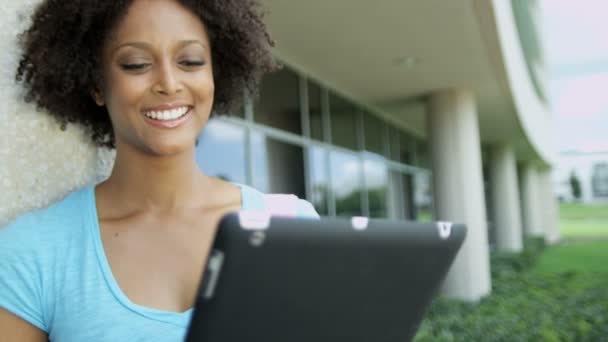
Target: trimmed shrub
[[525, 306]]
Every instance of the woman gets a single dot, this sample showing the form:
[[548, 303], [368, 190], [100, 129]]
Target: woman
[[121, 261]]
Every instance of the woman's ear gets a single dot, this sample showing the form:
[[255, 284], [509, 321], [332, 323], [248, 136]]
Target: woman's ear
[[97, 97]]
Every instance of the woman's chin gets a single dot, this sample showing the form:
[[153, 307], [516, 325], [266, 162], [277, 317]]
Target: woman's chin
[[171, 147]]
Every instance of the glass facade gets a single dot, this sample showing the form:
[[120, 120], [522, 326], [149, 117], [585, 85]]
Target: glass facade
[[316, 109], [346, 174], [376, 135], [299, 137], [376, 182], [318, 179], [278, 167], [599, 180], [407, 153], [423, 197], [278, 104], [218, 140], [343, 118]]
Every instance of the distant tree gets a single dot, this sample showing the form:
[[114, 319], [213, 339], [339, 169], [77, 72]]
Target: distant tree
[[575, 186], [349, 204]]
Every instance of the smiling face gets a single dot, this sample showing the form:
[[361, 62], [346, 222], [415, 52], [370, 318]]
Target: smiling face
[[157, 77]]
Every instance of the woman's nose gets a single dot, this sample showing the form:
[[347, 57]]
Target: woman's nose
[[168, 82]]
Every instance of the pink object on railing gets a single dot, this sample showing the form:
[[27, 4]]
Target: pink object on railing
[[281, 205]]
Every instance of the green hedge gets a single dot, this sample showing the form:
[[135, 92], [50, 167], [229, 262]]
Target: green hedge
[[507, 264], [525, 306]]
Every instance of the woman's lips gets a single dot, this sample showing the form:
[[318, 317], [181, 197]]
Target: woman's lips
[[170, 123]]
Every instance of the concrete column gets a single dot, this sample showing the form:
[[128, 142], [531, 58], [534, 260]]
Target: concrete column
[[458, 184], [530, 199], [505, 198], [549, 207]]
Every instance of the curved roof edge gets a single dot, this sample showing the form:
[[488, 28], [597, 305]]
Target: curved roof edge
[[533, 113]]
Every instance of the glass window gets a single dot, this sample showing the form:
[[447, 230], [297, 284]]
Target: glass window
[[346, 183], [423, 197], [599, 180], [315, 109], [394, 144], [407, 149], [218, 140], [239, 113], [343, 122], [400, 196], [407, 186], [422, 157], [376, 181], [278, 167], [318, 179], [375, 134], [259, 161], [279, 103]]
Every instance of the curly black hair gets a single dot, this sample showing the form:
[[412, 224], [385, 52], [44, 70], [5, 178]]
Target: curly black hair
[[60, 65]]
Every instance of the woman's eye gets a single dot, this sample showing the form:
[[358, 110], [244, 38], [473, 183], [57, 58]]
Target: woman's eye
[[134, 66], [192, 63]]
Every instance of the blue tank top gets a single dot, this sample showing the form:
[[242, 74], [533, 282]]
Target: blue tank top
[[54, 274]]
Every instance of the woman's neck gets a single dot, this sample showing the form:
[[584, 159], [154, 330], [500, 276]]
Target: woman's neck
[[144, 182]]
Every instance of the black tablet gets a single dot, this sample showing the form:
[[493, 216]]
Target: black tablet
[[304, 280]]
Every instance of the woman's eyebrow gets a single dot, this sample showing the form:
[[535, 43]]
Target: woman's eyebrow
[[147, 46], [140, 45], [183, 43]]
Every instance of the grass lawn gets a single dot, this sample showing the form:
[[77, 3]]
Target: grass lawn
[[574, 211], [574, 257], [579, 221], [583, 229]]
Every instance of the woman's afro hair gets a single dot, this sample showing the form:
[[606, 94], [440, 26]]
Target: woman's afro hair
[[60, 65]]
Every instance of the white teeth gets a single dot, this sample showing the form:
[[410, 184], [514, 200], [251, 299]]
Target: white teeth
[[167, 114]]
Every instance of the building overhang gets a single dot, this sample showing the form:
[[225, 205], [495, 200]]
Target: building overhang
[[390, 55]]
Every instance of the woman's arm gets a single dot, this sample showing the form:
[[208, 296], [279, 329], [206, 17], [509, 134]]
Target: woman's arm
[[13, 328]]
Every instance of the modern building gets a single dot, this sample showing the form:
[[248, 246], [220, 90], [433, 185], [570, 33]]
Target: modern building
[[417, 110], [591, 171]]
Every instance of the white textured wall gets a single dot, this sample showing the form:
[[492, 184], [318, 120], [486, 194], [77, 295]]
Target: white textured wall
[[39, 163]]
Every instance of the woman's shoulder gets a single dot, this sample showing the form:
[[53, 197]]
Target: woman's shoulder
[[276, 204], [40, 225], [33, 250]]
